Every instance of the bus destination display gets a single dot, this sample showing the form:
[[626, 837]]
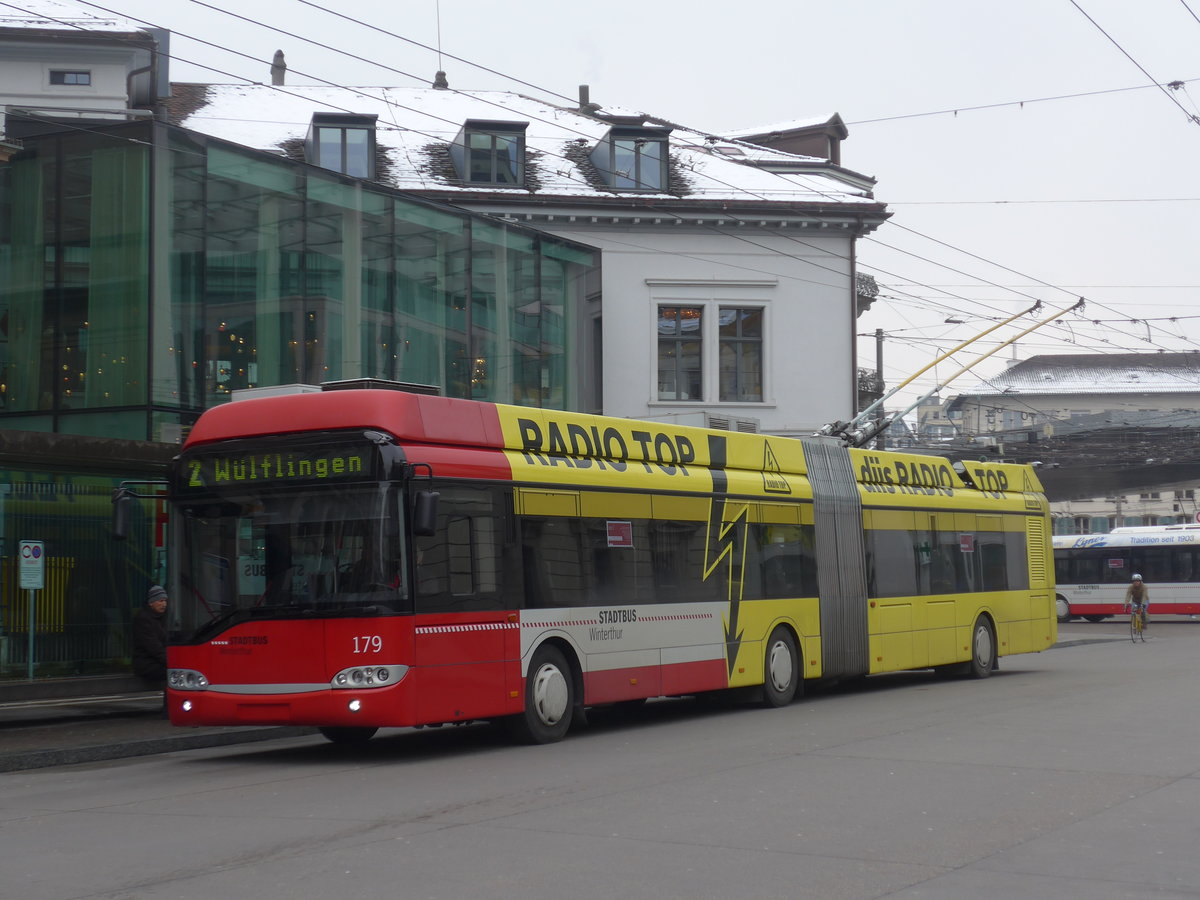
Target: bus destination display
[[295, 465]]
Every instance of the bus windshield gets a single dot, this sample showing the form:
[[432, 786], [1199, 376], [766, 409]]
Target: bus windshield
[[308, 553]]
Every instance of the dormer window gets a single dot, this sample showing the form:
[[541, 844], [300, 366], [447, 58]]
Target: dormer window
[[342, 143], [490, 152], [633, 158]]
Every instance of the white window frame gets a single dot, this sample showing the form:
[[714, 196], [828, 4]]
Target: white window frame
[[65, 70], [710, 297]]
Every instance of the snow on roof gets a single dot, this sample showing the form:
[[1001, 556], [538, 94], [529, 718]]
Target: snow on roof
[[783, 127], [416, 123], [1096, 373], [53, 15]]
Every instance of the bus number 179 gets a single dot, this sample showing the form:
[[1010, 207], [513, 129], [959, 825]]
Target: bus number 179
[[368, 643]]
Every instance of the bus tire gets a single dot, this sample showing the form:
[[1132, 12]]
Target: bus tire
[[781, 668], [549, 699], [348, 736], [1062, 608], [983, 648]]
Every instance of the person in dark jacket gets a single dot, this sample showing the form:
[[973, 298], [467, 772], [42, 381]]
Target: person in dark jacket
[[150, 638]]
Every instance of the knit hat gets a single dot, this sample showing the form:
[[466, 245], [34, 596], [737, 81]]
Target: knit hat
[[156, 592]]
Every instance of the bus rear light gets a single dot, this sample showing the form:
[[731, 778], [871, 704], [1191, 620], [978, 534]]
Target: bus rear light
[[186, 680], [368, 676]]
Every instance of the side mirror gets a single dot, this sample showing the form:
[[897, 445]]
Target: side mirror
[[122, 510], [425, 505]]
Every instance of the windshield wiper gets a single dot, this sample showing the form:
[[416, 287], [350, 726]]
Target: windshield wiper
[[240, 614], [220, 623]]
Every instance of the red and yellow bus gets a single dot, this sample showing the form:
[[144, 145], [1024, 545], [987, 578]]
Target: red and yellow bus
[[362, 558]]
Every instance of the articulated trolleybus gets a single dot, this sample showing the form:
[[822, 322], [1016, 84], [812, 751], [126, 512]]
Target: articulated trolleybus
[[354, 559], [1093, 570]]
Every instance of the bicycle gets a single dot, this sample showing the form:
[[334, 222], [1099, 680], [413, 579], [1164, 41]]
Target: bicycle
[[1137, 624]]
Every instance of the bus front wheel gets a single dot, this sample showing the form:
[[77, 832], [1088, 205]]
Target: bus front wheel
[[983, 648], [549, 699], [1062, 608], [781, 668]]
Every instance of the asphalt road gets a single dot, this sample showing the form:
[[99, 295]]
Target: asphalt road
[[1067, 774]]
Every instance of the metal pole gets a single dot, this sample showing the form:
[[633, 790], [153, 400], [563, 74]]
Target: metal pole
[[32, 613], [880, 443]]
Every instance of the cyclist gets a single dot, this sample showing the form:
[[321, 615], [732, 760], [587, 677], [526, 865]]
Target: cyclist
[[1137, 598]]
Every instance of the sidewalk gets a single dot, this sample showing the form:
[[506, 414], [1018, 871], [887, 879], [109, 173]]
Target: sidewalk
[[60, 731]]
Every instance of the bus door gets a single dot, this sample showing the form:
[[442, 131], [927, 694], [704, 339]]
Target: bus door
[[942, 575], [466, 630]]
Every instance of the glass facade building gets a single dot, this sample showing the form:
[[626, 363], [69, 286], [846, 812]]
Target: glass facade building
[[147, 272]]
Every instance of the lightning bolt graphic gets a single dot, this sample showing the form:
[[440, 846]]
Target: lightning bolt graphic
[[725, 541]]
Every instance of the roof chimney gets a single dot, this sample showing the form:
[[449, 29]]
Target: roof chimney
[[439, 81], [585, 103], [278, 68]]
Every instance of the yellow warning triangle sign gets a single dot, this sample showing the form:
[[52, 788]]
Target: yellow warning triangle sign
[[773, 480]]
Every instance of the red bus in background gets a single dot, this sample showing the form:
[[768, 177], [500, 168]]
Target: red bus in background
[[1092, 571]]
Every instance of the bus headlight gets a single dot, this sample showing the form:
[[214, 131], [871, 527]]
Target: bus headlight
[[186, 680], [369, 676]]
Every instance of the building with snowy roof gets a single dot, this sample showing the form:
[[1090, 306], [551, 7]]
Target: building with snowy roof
[[1122, 427], [1057, 394], [727, 274]]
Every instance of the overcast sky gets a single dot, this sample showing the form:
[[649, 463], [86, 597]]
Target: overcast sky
[[1095, 196]]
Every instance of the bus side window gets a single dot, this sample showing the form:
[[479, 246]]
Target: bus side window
[[1018, 560], [622, 571], [1155, 564], [1185, 566], [461, 566], [1090, 567], [557, 572], [785, 558], [1062, 568], [993, 557], [1113, 569], [677, 550], [893, 558]]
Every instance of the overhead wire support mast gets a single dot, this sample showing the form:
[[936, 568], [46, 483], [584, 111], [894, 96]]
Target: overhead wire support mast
[[842, 429], [868, 430]]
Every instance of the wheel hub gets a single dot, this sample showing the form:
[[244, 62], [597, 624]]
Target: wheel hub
[[550, 694]]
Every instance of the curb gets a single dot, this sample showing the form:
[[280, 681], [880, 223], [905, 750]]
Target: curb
[[45, 758]]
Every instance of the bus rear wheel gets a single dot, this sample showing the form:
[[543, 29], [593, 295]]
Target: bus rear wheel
[[549, 699], [781, 668], [983, 648], [348, 736]]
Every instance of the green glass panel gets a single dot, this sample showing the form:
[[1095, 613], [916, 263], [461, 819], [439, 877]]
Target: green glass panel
[[178, 370], [266, 174], [123, 424], [22, 293], [43, 423], [104, 350], [93, 584]]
